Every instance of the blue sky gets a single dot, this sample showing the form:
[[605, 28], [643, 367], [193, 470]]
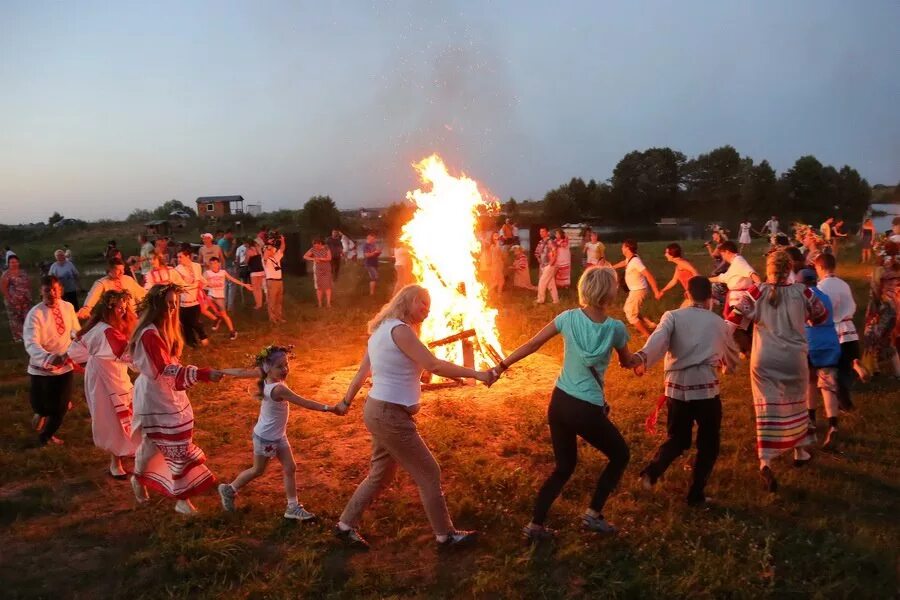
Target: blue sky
[[110, 106]]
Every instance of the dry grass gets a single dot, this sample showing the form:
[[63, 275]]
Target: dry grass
[[70, 531]]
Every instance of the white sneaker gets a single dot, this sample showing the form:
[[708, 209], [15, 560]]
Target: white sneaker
[[298, 513], [185, 507], [227, 494]]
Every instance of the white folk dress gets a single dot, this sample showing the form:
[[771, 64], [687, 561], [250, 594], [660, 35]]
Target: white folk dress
[[167, 460], [108, 389], [745, 234], [779, 372]]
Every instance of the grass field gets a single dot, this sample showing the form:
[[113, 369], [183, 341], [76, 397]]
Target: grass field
[[68, 530]]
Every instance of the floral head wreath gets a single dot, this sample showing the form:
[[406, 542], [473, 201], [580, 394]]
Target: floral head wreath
[[261, 358], [156, 293], [108, 301]]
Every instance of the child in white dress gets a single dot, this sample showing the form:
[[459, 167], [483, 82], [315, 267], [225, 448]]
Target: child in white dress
[[270, 434]]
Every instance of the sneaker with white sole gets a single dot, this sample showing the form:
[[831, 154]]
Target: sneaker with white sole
[[597, 524], [298, 513], [233, 335], [185, 507], [227, 495]]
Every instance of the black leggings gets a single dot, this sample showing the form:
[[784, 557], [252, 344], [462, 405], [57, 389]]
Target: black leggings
[[682, 416], [50, 395], [571, 418]]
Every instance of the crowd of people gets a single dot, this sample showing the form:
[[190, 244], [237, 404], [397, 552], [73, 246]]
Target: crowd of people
[[794, 323]]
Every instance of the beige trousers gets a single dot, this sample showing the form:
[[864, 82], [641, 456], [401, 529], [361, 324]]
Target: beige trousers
[[275, 293], [258, 281], [396, 441]]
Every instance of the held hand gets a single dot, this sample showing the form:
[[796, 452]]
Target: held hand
[[640, 369], [84, 313], [659, 294], [486, 377], [340, 409], [216, 376]]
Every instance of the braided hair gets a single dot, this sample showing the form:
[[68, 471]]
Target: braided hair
[[778, 268]]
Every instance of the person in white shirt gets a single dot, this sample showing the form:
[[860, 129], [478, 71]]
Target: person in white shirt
[[637, 278], [772, 227], [216, 279], [395, 358], [825, 229], [739, 277], [49, 329], [595, 251], [844, 307], [696, 344], [274, 280], [116, 280], [744, 237], [189, 301], [403, 267], [146, 252]]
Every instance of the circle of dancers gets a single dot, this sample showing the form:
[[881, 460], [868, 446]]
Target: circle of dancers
[[794, 324]]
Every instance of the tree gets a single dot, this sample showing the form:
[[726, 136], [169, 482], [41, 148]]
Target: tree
[[321, 215], [805, 185], [55, 218], [559, 207], [647, 184], [140, 214], [167, 208], [396, 216], [511, 208], [759, 191], [854, 193], [713, 182]]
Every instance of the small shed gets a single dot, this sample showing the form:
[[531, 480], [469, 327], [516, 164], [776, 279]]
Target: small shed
[[216, 207], [157, 228]]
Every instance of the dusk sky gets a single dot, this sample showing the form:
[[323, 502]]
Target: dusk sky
[[110, 106]]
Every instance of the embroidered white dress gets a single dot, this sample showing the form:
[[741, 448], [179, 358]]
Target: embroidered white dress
[[108, 389], [167, 460]]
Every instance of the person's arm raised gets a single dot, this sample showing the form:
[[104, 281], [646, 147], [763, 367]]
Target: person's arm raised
[[415, 350], [530, 347]]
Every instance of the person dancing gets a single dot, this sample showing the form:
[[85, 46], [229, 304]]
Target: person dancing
[[167, 460], [395, 357], [107, 386], [270, 433], [779, 373], [578, 405]]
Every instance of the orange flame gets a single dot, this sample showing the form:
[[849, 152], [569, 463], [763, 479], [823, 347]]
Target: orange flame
[[442, 242]]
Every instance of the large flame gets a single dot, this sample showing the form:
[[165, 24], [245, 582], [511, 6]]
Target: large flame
[[444, 247]]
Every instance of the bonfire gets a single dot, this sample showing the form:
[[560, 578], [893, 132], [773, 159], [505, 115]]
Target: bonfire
[[444, 247]]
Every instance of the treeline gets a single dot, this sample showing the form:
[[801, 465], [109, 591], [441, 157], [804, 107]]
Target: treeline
[[719, 185]]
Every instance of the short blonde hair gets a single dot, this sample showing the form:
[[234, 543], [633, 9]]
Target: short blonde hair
[[597, 287], [399, 306]]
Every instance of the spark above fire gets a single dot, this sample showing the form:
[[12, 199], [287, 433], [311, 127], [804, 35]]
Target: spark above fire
[[442, 240]]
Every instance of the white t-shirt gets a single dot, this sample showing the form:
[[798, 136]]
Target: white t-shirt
[[191, 276], [843, 305], [273, 415], [738, 276], [772, 226], [215, 283], [593, 252], [634, 278], [240, 255], [272, 265]]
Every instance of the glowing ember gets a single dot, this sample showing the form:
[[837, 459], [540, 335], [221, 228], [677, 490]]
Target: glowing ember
[[444, 247]]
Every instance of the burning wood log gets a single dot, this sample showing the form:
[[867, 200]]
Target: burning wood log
[[462, 335]]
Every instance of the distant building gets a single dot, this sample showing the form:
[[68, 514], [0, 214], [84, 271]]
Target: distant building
[[216, 207], [254, 210], [371, 213]]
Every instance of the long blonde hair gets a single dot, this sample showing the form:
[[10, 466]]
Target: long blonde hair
[[154, 310], [778, 267], [398, 307]]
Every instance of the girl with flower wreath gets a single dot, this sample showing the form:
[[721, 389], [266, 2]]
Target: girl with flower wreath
[[270, 433]]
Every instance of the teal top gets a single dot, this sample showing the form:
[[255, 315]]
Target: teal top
[[587, 344]]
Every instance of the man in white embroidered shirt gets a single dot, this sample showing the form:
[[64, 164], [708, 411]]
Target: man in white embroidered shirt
[[48, 332], [696, 343], [739, 277]]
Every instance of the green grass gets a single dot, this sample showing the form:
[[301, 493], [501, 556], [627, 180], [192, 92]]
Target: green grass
[[67, 530]]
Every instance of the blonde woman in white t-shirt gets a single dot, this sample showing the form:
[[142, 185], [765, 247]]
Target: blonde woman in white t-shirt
[[396, 357], [270, 433]]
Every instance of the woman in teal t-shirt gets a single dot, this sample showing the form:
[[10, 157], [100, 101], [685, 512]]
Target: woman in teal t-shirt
[[578, 405]]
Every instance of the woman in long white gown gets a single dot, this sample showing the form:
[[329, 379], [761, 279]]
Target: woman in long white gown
[[107, 387], [166, 460]]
